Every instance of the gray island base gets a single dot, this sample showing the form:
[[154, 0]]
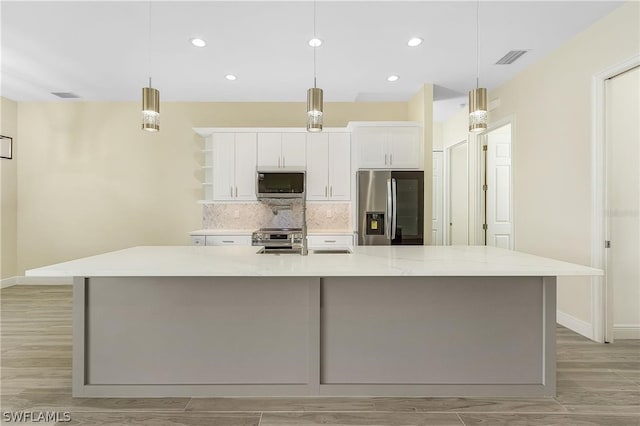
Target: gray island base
[[411, 327]]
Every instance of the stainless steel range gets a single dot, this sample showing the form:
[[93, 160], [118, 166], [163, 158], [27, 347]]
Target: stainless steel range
[[278, 240]]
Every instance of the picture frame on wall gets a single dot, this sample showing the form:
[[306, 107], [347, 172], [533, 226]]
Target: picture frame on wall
[[6, 147]]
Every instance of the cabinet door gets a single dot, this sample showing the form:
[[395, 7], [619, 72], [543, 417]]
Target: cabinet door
[[228, 240], [245, 166], [405, 148], [329, 241], [339, 166], [223, 164], [294, 150], [269, 149], [317, 166], [372, 147]]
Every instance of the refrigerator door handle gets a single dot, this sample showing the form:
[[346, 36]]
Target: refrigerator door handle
[[389, 211], [394, 203]]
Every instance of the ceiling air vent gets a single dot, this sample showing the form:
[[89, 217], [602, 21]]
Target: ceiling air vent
[[65, 95], [511, 57]]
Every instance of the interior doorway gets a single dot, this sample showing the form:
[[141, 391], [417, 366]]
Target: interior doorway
[[457, 194], [496, 186], [438, 199], [622, 209]]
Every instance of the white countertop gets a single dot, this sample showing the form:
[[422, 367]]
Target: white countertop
[[250, 231], [364, 261]]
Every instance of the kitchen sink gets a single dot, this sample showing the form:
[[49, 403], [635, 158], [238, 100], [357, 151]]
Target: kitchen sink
[[331, 251], [265, 250]]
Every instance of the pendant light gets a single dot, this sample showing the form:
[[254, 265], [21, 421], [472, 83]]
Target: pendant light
[[314, 94], [150, 97], [478, 96]]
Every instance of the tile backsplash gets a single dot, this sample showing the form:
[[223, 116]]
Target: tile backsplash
[[254, 215]]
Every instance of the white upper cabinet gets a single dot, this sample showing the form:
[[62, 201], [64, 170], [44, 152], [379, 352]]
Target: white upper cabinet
[[279, 150], [328, 166], [389, 147], [234, 166]]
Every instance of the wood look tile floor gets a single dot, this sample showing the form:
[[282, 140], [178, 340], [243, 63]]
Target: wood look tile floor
[[597, 385]]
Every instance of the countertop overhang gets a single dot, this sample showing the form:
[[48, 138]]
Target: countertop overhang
[[370, 261]]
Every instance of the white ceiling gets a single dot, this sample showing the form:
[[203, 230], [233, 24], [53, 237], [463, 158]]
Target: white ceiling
[[100, 50]]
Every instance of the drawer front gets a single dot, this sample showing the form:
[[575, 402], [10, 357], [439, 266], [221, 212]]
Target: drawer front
[[198, 240], [330, 241], [228, 240]]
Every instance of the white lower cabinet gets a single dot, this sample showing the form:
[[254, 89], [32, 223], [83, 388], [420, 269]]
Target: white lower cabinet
[[329, 241], [228, 240], [221, 240], [198, 240]]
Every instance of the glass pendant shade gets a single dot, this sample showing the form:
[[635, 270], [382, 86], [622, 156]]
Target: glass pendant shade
[[478, 110], [314, 110], [150, 109]]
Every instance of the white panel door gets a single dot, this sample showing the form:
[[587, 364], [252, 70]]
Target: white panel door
[[317, 166], [294, 150], [372, 147], [623, 205], [245, 166], [404, 147], [223, 165], [458, 195], [438, 186], [339, 166], [269, 149], [499, 192]]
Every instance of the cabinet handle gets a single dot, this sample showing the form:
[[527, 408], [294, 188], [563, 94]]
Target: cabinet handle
[[236, 192], [278, 161], [385, 159], [329, 241], [283, 158], [391, 159], [227, 241], [230, 191], [325, 191], [331, 191]]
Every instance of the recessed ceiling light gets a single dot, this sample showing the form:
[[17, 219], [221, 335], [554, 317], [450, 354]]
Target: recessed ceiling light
[[393, 78], [415, 41], [198, 42], [230, 77], [315, 42]]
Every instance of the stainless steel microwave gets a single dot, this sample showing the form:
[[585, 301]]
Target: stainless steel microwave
[[280, 183]]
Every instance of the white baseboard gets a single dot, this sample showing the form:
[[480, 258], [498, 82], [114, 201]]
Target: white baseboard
[[22, 280], [7, 282], [626, 331], [575, 324]]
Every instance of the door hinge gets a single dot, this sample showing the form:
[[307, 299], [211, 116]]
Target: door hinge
[[484, 147], [607, 244], [485, 226], [485, 187]]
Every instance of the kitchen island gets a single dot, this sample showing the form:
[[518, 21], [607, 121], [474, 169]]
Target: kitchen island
[[382, 321]]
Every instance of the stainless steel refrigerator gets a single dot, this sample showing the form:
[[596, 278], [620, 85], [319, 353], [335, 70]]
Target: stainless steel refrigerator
[[390, 207]]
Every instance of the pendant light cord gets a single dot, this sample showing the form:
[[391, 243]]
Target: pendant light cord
[[149, 39], [478, 44], [314, 47]]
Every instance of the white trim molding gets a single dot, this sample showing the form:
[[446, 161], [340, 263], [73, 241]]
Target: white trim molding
[[626, 331], [7, 282], [575, 324], [600, 307], [22, 280]]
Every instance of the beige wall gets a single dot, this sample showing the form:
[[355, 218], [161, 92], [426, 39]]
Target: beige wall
[[91, 181], [420, 108], [8, 192], [551, 103]]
